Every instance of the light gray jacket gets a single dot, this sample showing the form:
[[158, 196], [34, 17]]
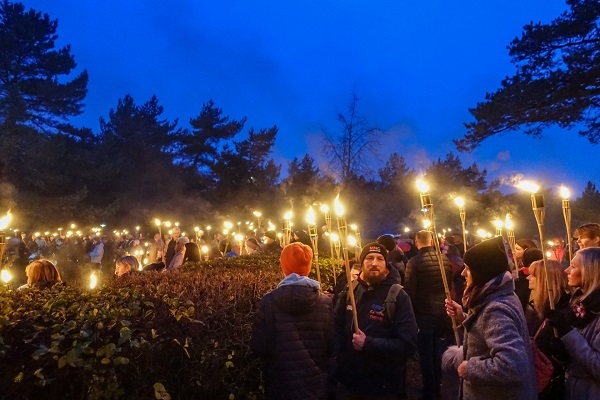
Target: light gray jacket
[[498, 351]]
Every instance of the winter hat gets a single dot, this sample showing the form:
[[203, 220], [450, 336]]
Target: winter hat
[[296, 257], [529, 256], [373, 247], [387, 241], [486, 260], [271, 235], [253, 244]]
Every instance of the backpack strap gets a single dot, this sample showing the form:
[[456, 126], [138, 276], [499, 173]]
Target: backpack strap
[[390, 300]]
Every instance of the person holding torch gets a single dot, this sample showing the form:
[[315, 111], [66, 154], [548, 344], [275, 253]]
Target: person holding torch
[[496, 359], [371, 359]]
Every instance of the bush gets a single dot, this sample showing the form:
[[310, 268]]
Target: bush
[[180, 335]]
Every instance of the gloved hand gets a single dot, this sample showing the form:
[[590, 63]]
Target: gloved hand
[[558, 351], [452, 358], [561, 321]]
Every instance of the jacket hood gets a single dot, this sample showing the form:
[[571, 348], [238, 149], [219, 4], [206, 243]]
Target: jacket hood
[[297, 298]]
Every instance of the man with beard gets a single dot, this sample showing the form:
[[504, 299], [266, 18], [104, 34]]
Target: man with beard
[[372, 359]]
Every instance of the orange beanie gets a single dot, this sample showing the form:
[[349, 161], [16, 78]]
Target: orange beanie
[[296, 257]]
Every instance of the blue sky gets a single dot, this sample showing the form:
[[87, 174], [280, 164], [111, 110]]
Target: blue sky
[[416, 66]]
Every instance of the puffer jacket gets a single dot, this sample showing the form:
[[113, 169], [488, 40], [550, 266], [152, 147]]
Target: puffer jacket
[[292, 333], [583, 370], [424, 283], [377, 369]]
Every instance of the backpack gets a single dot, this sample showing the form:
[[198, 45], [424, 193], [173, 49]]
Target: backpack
[[389, 305]]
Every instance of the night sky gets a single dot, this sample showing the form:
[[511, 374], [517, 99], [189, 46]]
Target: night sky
[[416, 66]]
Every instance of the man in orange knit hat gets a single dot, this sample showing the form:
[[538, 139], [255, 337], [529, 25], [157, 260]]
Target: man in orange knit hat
[[292, 331]]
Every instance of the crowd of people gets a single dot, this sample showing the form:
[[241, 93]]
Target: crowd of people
[[512, 325], [507, 310]]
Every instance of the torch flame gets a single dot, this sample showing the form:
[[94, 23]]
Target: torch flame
[[4, 221], [351, 240], [324, 208], [157, 222], [5, 275], [565, 193], [529, 186], [508, 222], [310, 216], [460, 202], [337, 205], [422, 186], [335, 237], [287, 215], [498, 224], [93, 281]]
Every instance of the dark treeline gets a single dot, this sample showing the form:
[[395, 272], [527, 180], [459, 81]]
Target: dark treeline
[[138, 165]]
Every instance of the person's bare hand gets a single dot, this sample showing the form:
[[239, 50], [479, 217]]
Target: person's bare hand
[[358, 340]]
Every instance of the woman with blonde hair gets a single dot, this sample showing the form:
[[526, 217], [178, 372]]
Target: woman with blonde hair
[[543, 334], [579, 329], [41, 274]]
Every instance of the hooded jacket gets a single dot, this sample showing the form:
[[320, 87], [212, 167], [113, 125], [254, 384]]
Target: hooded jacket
[[292, 333], [377, 369]]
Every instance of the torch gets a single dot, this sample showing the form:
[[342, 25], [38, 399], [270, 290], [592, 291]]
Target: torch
[[205, 252], [312, 232], [257, 214], [287, 230], [460, 202], [427, 207], [566, 208], [498, 224], [325, 210], [343, 232], [4, 221], [354, 227], [334, 241], [539, 211], [510, 234]]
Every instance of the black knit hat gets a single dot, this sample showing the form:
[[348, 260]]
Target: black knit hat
[[373, 247], [530, 255], [486, 260], [271, 235], [388, 241]]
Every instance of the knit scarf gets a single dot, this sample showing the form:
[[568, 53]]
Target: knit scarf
[[474, 295]]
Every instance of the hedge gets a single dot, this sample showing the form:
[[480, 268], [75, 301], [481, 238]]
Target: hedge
[[150, 335]]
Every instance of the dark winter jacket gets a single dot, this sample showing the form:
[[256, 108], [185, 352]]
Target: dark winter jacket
[[292, 333], [424, 283], [377, 369]]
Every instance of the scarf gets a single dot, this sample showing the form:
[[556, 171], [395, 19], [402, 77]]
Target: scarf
[[474, 295]]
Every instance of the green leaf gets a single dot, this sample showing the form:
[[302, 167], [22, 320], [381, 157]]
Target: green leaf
[[18, 378], [62, 361], [40, 352], [160, 392], [38, 374], [105, 360], [120, 360], [124, 335]]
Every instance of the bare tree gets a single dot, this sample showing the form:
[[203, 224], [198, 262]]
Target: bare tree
[[347, 151]]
